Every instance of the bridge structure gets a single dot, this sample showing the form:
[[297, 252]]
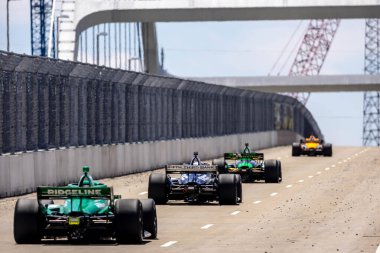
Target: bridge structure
[[82, 15], [122, 34], [58, 111], [288, 84]]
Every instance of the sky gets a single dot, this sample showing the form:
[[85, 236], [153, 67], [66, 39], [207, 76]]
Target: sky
[[249, 48]]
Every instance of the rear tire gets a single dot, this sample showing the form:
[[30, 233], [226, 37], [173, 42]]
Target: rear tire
[[272, 171], [129, 221], [26, 221], [150, 217], [239, 188], [158, 188], [279, 167], [296, 150], [327, 149], [227, 189], [221, 166]]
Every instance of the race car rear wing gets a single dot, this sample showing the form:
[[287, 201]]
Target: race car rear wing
[[47, 192], [179, 169], [238, 156]]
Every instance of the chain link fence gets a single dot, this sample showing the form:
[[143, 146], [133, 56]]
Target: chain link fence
[[47, 103]]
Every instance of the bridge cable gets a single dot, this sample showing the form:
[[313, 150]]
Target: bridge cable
[[284, 48]]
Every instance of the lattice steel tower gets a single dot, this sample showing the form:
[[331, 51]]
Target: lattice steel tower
[[371, 105], [40, 11], [313, 51]]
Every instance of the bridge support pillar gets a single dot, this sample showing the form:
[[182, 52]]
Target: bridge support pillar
[[151, 62]]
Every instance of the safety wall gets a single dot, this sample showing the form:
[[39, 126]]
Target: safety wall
[[47, 103], [22, 172]]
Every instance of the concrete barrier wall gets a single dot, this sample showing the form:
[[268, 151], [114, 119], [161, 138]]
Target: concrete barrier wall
[[22, 173]]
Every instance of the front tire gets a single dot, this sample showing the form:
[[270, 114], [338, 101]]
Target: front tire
[[129, 221], [26, 221]]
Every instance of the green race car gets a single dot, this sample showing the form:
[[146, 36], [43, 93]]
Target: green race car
[[83, 211], [251, 166]]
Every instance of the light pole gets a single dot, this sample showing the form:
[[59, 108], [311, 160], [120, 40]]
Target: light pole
[[8, 23], [58, 27], [97, 45]]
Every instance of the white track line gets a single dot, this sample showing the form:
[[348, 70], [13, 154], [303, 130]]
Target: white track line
[[257, 202], [142, 193], [273, 194], [319, 173], [326, 169], [289, 186], [333, 166], [279, 158], [235, 213], [344, 161], [339, 162], [300, 181], [168, 244], [310, 176], [207, 226]]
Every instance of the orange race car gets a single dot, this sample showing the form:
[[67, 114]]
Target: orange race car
[[311, 146]]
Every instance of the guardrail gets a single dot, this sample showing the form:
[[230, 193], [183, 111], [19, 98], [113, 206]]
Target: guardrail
[[47, 103]]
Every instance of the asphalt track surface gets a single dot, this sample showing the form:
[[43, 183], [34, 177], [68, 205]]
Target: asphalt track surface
[[324, 204]]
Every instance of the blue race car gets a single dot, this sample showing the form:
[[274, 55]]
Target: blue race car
[[197, 182]]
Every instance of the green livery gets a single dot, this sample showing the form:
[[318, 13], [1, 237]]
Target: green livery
[[251, 166], [82, 211], [89, 201]]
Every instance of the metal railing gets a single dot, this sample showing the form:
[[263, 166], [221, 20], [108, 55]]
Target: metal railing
[[47, 103]]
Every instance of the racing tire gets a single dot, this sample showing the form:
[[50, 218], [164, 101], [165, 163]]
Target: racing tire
[[279, 167], [221, 166], [129, 221], [227, 189], [272, 171], [26, 222], [239, 188], [296, 150], [327, 149], [157, 188], [149, 217]]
